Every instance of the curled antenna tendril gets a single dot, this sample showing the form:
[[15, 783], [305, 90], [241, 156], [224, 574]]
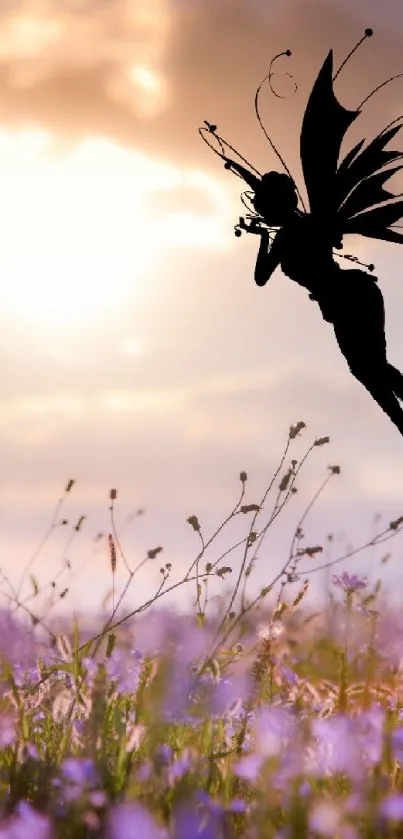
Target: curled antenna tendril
[[271, 74], [275, 149]]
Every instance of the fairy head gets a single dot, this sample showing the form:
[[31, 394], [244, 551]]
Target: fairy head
[[275, 198]]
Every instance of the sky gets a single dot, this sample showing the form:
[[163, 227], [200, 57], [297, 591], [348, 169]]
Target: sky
[[136, 352]]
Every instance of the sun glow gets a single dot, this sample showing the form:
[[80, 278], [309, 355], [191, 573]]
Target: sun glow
[[74, 236]]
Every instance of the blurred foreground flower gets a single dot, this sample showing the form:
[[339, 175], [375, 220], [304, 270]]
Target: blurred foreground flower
[[326, 819], [392, 807], [132, 821], [27, 823]]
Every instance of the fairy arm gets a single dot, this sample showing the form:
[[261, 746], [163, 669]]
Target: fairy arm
[[269, 255], [268, 260]]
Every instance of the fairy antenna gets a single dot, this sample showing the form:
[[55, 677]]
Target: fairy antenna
[[375, 90], [394, 121], [274, 147], [367, 34], [212, 130]]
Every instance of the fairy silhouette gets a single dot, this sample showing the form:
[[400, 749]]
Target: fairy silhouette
[[344, 197]]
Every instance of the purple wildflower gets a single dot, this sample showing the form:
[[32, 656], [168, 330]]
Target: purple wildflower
[[145, 771], [288, 675], [349, 582], [165, 631], [325, 818], [180, 766], [97, 798], [392, 807], [28, 751], [164, 754], [210, 803], [79, 771], [228, 693], [347, 745], [370, 728], [91, 667], [275, 728], [194, 823], [248, 767], [16, 643], [177, 698], [335, 748], [132, 821], [237, 805], [397, 743], [304, 788], [348, 832], [125, 670], [27, 823]]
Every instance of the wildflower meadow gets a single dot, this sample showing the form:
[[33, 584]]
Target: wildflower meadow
[[259, 717]]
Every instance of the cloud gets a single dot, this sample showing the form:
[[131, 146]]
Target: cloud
[[147, 74]]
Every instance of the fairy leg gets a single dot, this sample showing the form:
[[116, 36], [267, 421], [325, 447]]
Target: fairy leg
[[383, 395], [396, 379], [359, 325]]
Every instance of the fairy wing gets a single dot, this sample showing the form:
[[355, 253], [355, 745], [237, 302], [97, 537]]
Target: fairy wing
[[348, 197], [324, 125], [365, 207]]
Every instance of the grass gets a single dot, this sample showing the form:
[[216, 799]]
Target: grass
[[260, 719]]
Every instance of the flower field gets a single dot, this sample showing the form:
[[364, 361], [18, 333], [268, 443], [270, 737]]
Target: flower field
[[264, 719]]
